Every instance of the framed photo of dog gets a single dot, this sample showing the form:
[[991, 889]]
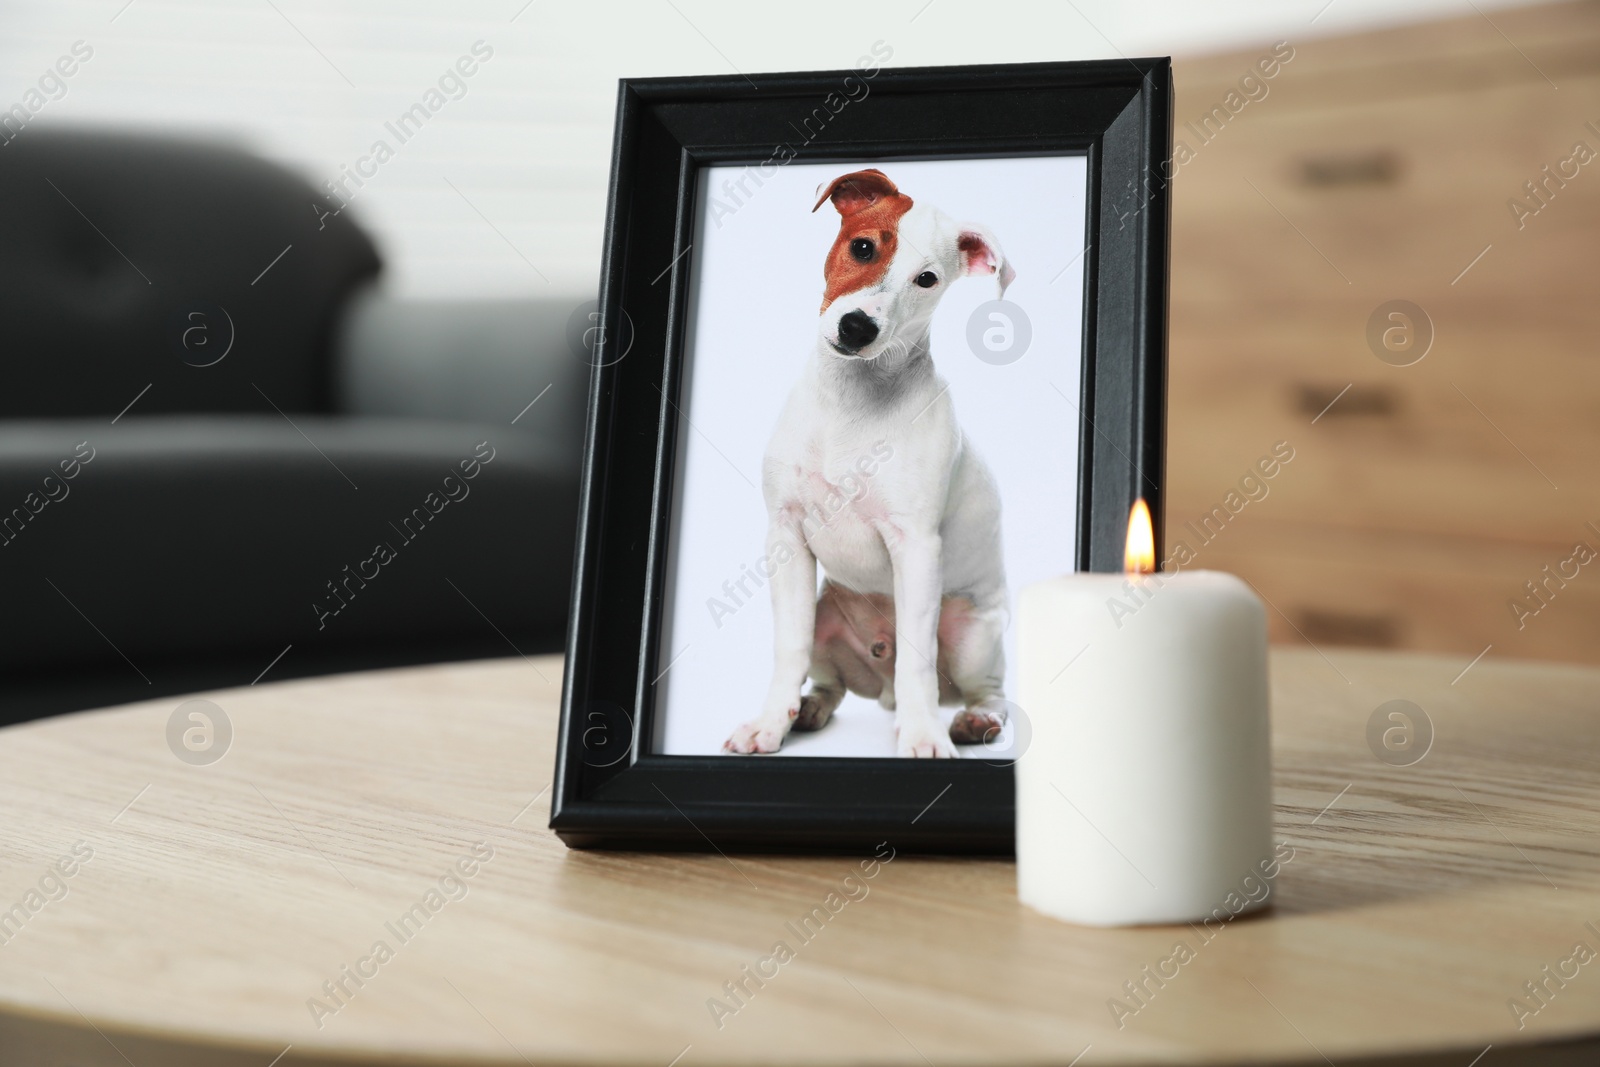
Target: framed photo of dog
[[875, 348]]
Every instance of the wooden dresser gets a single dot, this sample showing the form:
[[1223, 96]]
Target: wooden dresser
[[1421, 499]]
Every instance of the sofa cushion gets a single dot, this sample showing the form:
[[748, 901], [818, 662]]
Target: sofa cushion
[[130, 543], [485, 360]]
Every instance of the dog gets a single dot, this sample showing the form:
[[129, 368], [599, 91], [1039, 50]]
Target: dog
[[914, 602]]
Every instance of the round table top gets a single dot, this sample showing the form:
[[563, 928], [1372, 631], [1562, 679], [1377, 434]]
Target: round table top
[[225, 913]]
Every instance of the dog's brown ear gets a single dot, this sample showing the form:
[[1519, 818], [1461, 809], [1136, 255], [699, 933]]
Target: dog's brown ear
[[852, 192]]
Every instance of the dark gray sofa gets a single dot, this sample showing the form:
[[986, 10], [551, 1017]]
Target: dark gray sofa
[[308, 490]]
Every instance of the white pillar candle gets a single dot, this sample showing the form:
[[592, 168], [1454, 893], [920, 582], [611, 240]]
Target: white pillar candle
[[1145, 793]]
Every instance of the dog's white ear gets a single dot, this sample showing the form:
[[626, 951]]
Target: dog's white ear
[[982, 255], [852, 192]]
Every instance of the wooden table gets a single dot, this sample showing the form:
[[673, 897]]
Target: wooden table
[[218, 899]]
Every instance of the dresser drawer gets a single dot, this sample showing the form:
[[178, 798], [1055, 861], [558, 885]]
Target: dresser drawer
[[1331, 586], [1378, 168], [1476, 441]]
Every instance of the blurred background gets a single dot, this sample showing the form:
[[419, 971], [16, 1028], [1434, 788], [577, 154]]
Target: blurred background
[[294, 297]]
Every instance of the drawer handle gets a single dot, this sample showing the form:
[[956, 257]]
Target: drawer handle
[[1321, 626], [1369, 168], [1314, 400]]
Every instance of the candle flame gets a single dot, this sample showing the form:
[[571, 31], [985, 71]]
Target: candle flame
[[1140, 555]]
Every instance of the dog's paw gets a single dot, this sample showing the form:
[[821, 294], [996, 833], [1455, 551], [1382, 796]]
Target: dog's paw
[[925, 741], [974, 726], [814, 713], [758, 736]]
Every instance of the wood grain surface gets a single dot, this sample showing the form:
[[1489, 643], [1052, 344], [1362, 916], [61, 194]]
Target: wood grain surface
[[219, 899]]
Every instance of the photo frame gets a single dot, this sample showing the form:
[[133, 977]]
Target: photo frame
[[673, 258]]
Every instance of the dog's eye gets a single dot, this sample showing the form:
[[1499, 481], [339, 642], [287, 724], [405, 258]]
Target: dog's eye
[[927, 279], [862, 249]]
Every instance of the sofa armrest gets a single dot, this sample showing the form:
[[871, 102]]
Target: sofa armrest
[[113, 242]]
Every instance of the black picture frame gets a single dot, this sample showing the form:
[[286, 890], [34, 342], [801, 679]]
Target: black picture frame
[[609, 790]]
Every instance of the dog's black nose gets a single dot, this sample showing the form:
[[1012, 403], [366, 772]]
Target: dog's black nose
[[856, 331]]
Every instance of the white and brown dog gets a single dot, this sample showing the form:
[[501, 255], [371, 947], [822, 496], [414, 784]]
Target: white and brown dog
[[914, 603]]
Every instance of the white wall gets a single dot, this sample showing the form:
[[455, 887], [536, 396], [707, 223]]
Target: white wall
[[528, 144]]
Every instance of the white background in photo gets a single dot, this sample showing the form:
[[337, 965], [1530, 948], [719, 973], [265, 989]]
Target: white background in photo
[[754, 312]]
